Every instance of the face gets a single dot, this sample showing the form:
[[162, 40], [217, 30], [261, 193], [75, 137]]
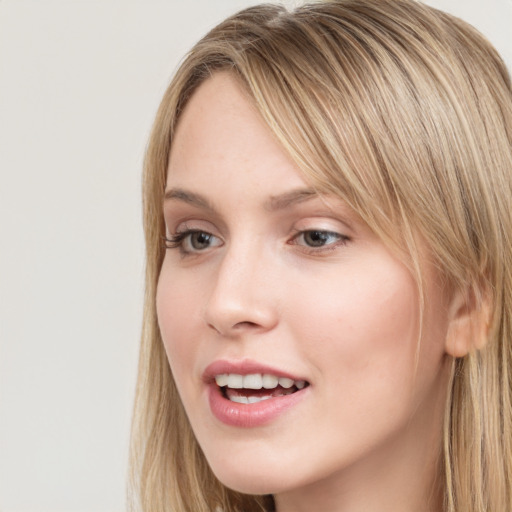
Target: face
[[290, 328]]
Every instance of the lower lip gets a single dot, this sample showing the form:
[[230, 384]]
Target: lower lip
[[250, 415]]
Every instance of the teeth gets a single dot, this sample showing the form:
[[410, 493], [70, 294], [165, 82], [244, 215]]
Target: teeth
[[222, 380], [248, 400], [285, 382], [235, 381], [270, 381], [255, 399], [240, 399], [256, 381], [253, 381]]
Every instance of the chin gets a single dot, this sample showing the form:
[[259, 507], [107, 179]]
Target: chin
[[248, 479]]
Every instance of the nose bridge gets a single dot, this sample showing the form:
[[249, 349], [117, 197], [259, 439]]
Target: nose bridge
[[241, 297]]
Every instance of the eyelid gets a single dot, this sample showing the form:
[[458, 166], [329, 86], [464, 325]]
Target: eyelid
[[339, 240], [324, 222], [178, 222], [178, 214], [177, 225], [337, 234], [181, 239]]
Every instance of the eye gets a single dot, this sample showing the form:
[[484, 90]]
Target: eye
[[192, 241], [318, 238]]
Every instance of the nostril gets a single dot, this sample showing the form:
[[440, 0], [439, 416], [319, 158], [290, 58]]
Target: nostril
[[239, 326], [245, 325]]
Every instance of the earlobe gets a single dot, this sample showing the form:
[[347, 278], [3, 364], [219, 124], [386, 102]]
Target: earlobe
[[469, 319]]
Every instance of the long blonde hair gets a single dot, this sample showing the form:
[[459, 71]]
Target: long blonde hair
[[406, 113]]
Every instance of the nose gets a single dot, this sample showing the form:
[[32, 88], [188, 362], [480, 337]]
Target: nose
[[243, 298]]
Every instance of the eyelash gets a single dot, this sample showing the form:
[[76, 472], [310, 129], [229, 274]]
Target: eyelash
[[178, 240], [339, 240]]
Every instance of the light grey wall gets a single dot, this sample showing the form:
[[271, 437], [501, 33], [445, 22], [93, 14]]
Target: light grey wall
[[79, 84], [492, 17]]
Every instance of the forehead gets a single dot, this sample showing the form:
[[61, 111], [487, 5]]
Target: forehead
[[219, 101], [222, 136]]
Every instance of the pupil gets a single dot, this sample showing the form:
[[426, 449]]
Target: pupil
[[316, 238], [200, 240]]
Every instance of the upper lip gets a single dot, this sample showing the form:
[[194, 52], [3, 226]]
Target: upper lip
[[243, 367]]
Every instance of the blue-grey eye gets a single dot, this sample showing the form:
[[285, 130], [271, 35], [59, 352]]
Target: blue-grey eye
[[200, 240], [319, 238]]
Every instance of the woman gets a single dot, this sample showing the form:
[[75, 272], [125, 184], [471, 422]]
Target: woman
[[327, 202]]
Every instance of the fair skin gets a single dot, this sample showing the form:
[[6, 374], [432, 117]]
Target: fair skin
[[298, 283]]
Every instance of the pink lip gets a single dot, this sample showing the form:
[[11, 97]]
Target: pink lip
[[247, 415]]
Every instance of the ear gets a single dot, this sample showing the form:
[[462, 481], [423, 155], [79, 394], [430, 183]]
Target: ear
[[469, 319]]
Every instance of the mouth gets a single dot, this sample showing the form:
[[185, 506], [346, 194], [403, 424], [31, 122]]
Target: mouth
[[249, 394], [256, 387]]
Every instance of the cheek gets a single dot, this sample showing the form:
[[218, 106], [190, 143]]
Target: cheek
[[360, 316], [177, 310], [360, 332]]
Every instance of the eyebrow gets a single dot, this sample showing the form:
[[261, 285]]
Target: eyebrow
[[282, 201], [188, 197], [274, 203]]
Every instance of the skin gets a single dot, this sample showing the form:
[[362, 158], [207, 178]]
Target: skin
[[344, 316]]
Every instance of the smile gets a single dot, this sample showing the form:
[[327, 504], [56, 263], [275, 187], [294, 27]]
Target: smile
[[249, 394], [256, 387]]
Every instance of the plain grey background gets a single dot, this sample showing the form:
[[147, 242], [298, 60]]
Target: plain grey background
[[80, 81]]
